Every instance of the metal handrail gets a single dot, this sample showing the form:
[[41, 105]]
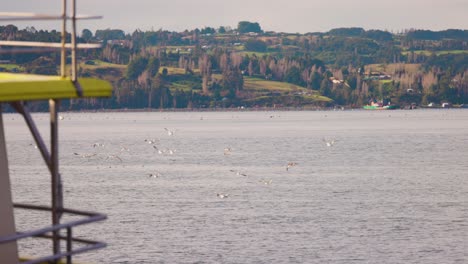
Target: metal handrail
[[50, 155], [13, 16], [42, 233], [55, 45]]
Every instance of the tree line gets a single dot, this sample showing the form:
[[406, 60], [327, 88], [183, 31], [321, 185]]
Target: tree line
[[332, 63]]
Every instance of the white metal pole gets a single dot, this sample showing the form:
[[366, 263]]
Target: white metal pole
[[8, 251], [63, 54]]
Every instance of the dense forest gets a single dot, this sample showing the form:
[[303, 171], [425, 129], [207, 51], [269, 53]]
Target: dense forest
[[249, 67]]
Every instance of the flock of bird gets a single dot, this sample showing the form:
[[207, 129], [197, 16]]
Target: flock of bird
[[116, 156], [155, 144], [228, 151], [289, 165]]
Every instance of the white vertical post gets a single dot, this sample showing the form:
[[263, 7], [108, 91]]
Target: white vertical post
[[57, 203], [73, 42], [63, 54], [8, 251]]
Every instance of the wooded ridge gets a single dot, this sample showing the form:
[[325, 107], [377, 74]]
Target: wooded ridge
[[248, 67]]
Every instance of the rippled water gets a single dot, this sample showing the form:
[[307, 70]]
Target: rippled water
[[392, 189]]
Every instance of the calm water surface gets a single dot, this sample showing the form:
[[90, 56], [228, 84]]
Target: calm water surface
[[392, 189]]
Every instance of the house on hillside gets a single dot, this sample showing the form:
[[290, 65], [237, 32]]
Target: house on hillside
[[376, 75], [336, 80], [446, 105], [119, 42]]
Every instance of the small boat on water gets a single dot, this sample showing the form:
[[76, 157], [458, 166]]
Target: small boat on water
[[380, 106]]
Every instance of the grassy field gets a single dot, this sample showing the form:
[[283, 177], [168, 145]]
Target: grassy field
[[272, 86], [239, 48], [444, 52], [429, 53], [186, 87], [257, 84], [385, 81], [282, 90], [258, 54], [390, 68], [100, 69], [12, 67], [174, 70], [101, 64], [172, 49], [251, 84], [255, 89], [320, 98], [287, 100]]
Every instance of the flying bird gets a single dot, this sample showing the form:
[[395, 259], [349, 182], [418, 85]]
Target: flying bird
[[266, 182], [159, 151], [85, 155], [222, 196], [227, 151], [238, 173], [114, 157], [169, 132], [151, 141], [35, 146], [290, 164], [329, 142], [154, 175], [124, 148]]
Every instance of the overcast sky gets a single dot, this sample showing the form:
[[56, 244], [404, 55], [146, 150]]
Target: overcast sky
[[282, 16]]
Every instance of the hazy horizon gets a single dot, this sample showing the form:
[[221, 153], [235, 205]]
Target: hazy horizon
[[294, 16]]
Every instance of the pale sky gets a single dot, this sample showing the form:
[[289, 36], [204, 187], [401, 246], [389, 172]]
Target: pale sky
[[281, 16]]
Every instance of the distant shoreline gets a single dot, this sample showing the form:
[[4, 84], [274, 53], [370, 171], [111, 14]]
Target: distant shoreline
[[250, 109]]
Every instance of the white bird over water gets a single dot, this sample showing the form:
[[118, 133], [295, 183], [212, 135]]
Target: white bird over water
[[329, 142], [85, 155], [222, 196], [114, 157], [169, 132], [165, 151], [159, 151], [238, 173], [151, 141], [97, 144], [227, 151], [124, 148], [155, 175], [171, 151], [290, 164], [266, 182]]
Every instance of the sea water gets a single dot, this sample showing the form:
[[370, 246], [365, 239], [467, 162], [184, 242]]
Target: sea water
[[389, 187]]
